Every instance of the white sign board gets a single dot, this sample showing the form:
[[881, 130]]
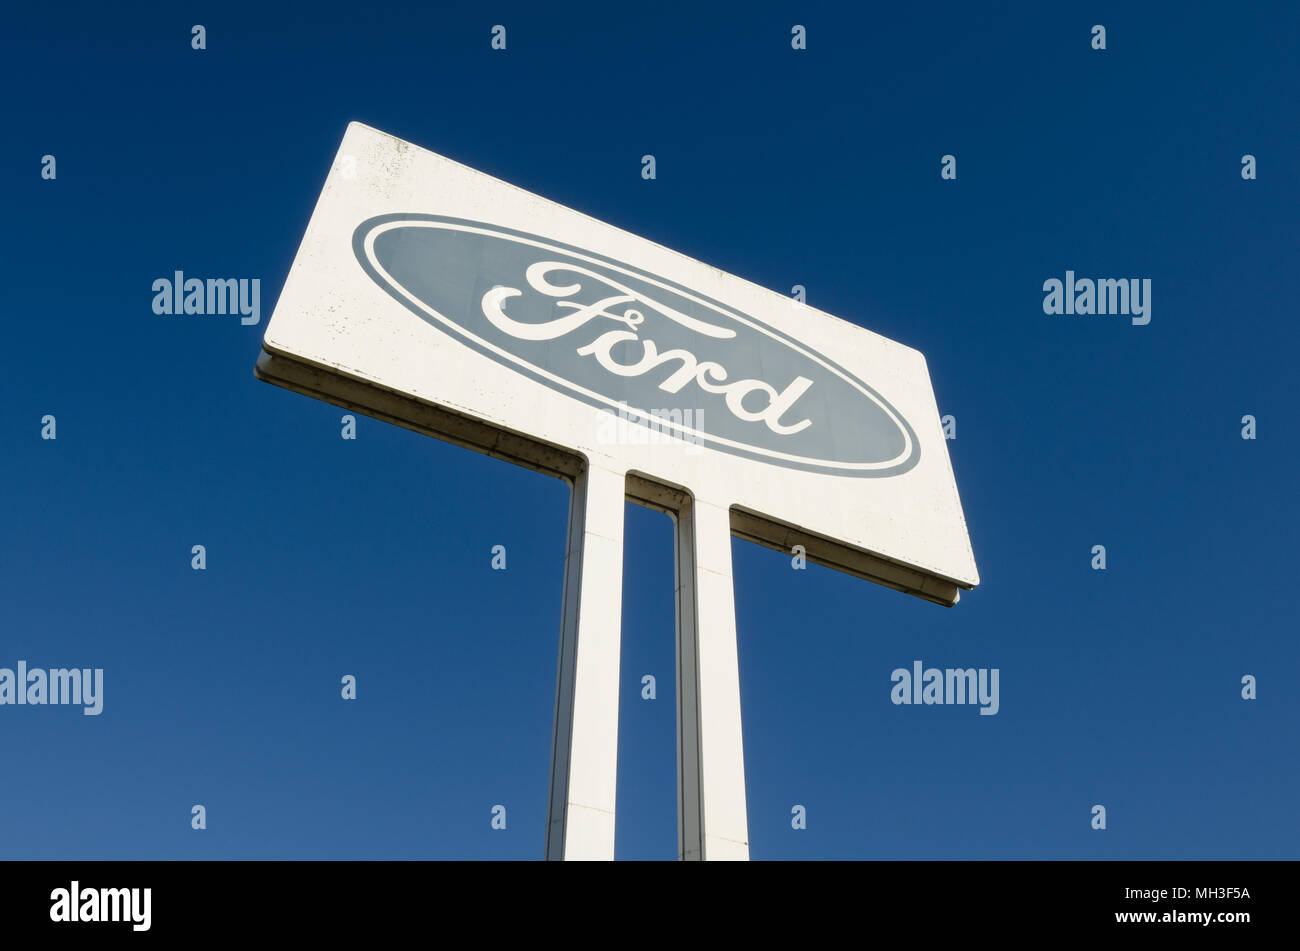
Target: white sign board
[[439, 298], [423, 278]]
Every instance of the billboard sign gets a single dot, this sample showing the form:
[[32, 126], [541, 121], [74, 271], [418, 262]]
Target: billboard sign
[[441, 299]]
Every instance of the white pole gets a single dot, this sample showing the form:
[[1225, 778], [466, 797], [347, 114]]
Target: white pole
[[584, 756], [711, 813]]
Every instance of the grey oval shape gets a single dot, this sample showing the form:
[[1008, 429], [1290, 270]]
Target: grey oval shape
[[613, 336]]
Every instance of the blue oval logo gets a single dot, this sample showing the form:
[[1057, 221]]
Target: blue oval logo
[[622, 340]]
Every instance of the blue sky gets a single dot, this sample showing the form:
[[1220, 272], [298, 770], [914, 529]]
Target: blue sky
[[821, 167]]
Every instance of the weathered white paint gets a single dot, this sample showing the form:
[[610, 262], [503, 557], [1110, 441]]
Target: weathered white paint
[[332, 317]]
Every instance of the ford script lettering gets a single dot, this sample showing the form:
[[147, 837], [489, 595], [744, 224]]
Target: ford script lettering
[[627, 341]]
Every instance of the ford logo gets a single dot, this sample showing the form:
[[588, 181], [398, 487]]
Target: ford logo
[[620, 339]]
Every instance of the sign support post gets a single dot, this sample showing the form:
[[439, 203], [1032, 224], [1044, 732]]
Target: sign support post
[[584, 757], [711, 815]]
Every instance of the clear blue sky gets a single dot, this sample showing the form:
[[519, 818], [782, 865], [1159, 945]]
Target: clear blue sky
[[818, 168]]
